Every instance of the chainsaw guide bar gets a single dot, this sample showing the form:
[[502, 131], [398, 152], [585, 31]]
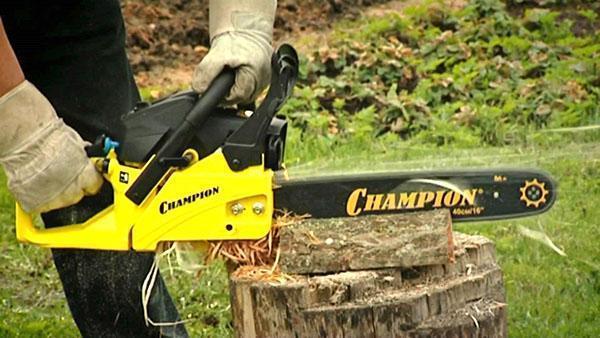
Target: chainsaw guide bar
[[471, 195]]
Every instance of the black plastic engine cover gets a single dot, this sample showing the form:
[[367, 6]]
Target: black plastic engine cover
[[147, 126]]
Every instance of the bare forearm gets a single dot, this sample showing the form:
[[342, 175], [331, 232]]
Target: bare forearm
[[10, 71]]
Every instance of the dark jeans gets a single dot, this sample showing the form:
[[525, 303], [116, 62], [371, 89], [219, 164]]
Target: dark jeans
[[74, 53]]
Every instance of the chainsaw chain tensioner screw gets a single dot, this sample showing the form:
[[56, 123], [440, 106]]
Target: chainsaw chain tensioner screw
[[237, 208], [258, 208]]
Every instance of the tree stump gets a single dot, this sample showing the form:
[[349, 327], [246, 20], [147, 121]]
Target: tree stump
[[377, 276]]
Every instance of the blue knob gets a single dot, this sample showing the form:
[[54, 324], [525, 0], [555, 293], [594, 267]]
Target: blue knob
[[109, 144]]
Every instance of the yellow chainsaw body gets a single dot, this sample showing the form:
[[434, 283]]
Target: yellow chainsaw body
[[204, 201]]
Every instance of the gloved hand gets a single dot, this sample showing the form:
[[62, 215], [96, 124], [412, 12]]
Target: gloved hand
[[241, 32], [44, 159]]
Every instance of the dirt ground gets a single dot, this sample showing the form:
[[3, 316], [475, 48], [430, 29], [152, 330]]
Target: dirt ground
[[167, 38]]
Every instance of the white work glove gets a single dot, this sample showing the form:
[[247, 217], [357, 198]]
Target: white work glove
[[241, 32], [44, 159]]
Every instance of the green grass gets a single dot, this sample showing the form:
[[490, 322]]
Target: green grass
[[548, 295]]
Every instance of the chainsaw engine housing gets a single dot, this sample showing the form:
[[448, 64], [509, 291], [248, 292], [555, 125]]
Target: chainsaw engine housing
[[149, 125]]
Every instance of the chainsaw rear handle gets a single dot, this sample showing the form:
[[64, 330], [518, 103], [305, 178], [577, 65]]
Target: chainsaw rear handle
[[176, 143]]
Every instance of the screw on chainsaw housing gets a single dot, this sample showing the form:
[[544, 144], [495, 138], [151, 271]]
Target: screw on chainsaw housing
[[258, 208], [237, 209]]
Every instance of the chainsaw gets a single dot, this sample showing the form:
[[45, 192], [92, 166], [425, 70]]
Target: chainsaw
[[188, 170]]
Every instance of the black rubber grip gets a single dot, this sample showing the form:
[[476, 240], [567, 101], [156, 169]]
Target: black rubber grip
[[177, 142]]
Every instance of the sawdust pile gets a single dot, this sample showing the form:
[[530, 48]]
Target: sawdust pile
[[252, 259], [257, 259]]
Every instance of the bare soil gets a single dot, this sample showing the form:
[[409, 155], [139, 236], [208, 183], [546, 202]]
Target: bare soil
[[167, 38]]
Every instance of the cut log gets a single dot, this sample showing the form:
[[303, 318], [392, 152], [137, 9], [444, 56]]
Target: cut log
[[370, 242], [464, 298], [482, 318]]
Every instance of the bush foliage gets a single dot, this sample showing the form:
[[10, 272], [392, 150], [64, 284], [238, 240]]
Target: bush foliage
[[465, 76]]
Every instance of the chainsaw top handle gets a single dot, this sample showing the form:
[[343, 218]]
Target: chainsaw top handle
[[176, 143], [246, 146]]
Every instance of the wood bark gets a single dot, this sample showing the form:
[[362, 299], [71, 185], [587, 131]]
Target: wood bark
[[459, 298], [369, 242]]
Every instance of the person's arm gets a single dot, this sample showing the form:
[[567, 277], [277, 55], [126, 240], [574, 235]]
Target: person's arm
[[10, 71], [241, 33], [43, 158]]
